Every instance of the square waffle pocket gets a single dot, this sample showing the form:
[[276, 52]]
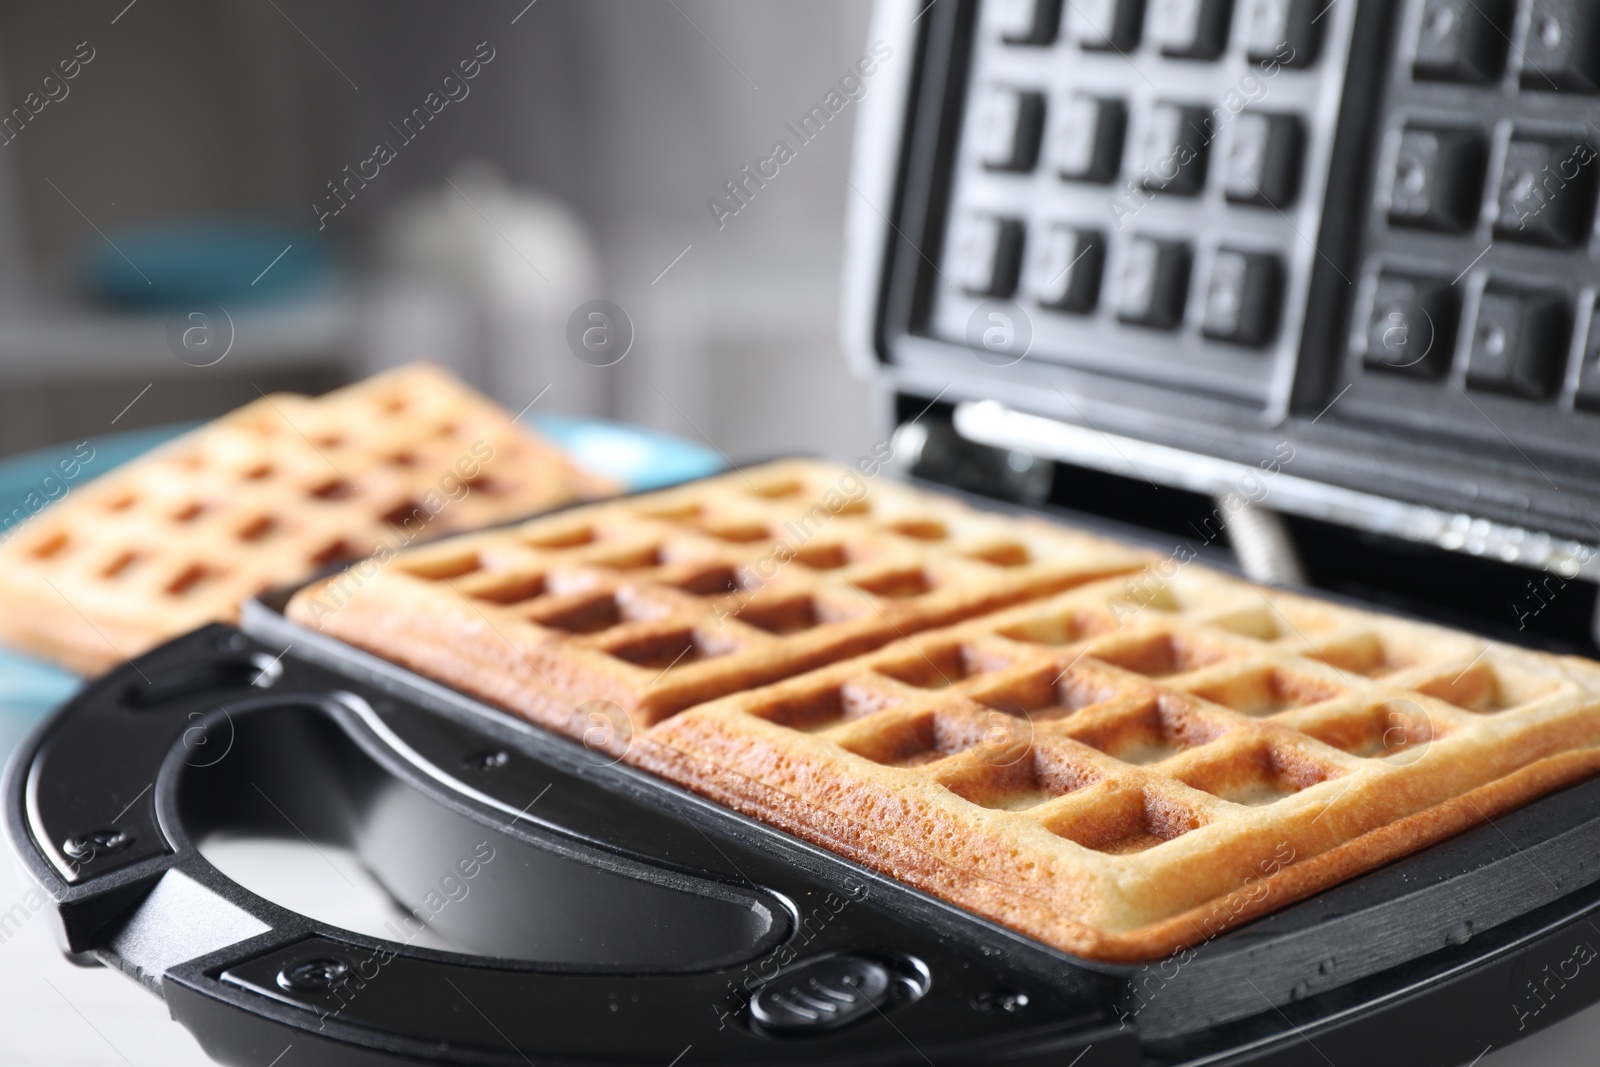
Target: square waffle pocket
[[1020, 719], [263, 496]]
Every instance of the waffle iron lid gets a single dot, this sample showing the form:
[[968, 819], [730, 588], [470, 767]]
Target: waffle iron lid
[[1189, 237]]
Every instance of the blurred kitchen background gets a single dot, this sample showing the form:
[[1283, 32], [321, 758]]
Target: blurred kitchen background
[[195, 138]]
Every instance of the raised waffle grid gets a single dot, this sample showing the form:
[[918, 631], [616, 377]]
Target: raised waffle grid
[[262, 496], [1110, 187], [1129, 751], [1487, 266], [666, 600]]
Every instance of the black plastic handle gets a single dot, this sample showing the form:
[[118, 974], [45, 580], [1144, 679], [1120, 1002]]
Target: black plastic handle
[[610, 918]]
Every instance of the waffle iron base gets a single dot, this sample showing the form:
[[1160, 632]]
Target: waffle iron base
[[615, 919]]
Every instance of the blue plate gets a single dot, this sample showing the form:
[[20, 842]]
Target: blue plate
[[638, 459]]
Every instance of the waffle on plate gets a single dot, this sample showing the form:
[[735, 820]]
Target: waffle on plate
[[263, 496], [1118, 753]]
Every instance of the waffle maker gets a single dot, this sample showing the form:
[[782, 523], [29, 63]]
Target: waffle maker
[[1052, 327]]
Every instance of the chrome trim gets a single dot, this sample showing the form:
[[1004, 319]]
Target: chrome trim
[[874, 163], [989, 422]]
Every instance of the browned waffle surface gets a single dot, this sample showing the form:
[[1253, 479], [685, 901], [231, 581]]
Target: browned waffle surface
[[1136, 766], [263, 496], [652, 604], [1117, 754]]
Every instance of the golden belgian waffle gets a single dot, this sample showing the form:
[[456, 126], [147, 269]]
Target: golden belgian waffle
[[1120, 770], [263, 496], [644, 606], [1135, 766]]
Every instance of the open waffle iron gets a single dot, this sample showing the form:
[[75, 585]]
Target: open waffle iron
[[617, 919]]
